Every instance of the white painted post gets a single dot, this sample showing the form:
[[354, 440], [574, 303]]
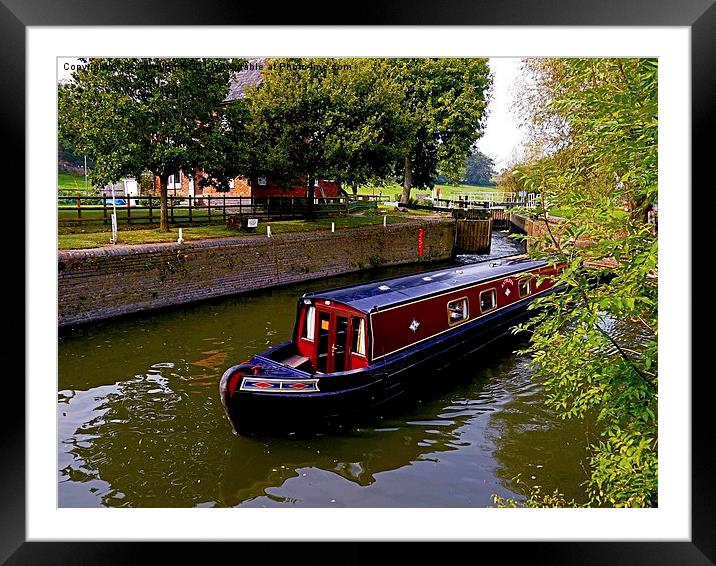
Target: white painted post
[[181, 237], [268, 231], [385, 220], [114, 228], [114, 218], [333, 226]]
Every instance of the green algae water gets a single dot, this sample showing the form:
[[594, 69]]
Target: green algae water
[[141, 423]]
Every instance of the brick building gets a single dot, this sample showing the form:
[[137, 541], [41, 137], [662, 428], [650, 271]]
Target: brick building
[[187, 184], [181, 184]]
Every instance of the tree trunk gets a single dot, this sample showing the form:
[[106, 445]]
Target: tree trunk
[[408, 181], [311, 210], [354, 186], [163, 204]]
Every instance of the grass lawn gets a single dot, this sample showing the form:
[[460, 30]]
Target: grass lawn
[[452, 192], [446, 191], [71, 181], [82, 240]]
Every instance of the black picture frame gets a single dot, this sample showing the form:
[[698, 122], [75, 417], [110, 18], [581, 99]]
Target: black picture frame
[[698, 15]]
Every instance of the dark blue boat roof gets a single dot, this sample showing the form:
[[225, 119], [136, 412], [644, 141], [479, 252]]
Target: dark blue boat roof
[[385, 293]]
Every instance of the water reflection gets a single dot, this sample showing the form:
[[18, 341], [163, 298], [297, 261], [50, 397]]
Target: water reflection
[[141, 424]]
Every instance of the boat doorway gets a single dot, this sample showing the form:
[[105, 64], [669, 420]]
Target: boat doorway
[[332, 343]]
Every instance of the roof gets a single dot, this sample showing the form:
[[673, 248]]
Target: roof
[[250, 75], [385, 293]]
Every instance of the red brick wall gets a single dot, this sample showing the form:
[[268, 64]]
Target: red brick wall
[[241, 187], [106, 282], [183, 190]]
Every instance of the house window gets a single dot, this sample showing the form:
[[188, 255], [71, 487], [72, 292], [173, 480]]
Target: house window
[[309, 326], [524, 287], [174, 181], [358, 345], [488, 300], [457, 311], [262, 181]]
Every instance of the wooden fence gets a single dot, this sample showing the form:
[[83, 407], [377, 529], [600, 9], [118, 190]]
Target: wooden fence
[[78, 210]]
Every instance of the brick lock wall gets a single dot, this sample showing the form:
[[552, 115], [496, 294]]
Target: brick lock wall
[[112, 281], [537, 230]]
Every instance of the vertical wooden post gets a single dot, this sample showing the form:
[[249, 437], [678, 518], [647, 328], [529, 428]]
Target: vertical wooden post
[[224, 197], [208, 204], [171, 206], [151, 220], [104, 210], [189, 209], [78, 201], [129, 215]]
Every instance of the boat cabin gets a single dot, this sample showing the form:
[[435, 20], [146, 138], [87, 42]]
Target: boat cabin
[[353, 327]]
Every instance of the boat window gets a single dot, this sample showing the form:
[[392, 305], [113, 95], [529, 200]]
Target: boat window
[[457, 310], [309, 325], [488, 300], [524, 287], [358, 345]]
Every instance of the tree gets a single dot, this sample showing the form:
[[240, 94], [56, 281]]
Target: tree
[[327, 118], [157, 114], [375, 127], [479, 169], [446, 99], [606, 110]]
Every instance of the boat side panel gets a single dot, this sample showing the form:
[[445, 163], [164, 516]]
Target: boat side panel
[[400, 327]]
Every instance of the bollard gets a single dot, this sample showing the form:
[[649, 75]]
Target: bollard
[[385, 221], [333, 226], [181, 237], [268, 231]]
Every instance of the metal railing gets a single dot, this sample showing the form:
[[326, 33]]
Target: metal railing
[[488, 200], [370, 198]]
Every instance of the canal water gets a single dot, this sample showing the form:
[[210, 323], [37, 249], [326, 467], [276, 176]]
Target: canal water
[[141, 423]]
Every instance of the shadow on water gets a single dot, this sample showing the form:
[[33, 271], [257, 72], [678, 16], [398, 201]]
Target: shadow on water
[[141, 423]]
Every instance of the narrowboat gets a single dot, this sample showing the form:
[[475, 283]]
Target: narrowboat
[[357, 347]]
